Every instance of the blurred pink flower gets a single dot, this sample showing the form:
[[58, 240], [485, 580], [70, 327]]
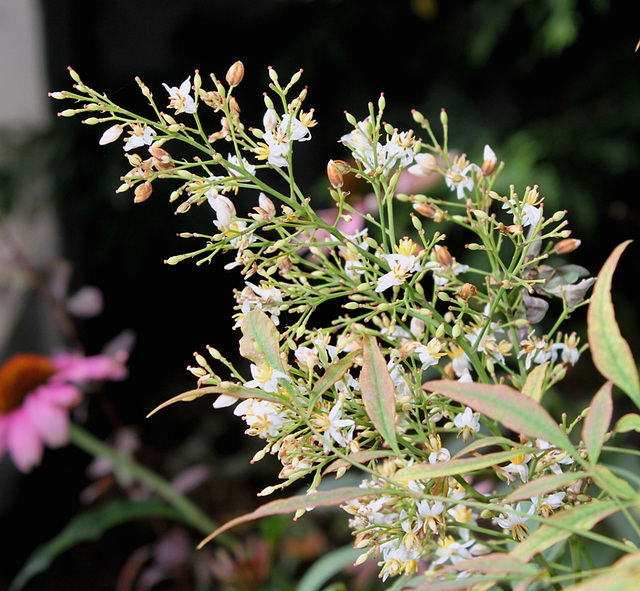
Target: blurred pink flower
[[36, 395]]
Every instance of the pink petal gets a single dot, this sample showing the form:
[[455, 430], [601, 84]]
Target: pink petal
[[23, 441], [64, 395], [83, 369], [50, 421]]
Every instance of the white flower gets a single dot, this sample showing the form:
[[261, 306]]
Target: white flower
[[402, 264], [450, 549], [264, 418], [468, 423], [430, 353], [523, 213], [265, 378], [295, 129], [515, 524], [140, 135], [425, 164], [233, 159], [111, 134], [180, 99], [333, 425], [459, 179]]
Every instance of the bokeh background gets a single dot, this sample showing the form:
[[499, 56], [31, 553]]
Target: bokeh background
[[552, 85]]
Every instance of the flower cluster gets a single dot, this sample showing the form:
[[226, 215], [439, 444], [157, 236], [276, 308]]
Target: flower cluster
[[365, 391]]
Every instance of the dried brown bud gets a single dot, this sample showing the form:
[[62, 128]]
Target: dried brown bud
[[235, 74], [425, 209], [468, 290], [142, 192], [234, 107], [566, 246], [335, 174], [161, 158], [443, 255]]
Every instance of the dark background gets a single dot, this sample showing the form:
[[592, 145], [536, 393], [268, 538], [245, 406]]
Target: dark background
[[551, 85]]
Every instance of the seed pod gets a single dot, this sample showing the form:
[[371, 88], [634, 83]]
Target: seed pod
[[235, 74]]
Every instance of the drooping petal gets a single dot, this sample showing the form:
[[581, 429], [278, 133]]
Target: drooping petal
[[23, 441], [50, 421]]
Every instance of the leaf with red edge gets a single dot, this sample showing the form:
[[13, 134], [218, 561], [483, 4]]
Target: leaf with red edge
[[562, 524], [597, 421], [501, 403], [327, 498], [227, 388], [260, 340], [610, 352], [378, 392]]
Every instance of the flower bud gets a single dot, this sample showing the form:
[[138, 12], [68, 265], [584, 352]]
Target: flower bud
[[425, 209], [142, 192], [566, 246], [468, 290], [161, 158], [418, 117], [443, 255], [335, 175]]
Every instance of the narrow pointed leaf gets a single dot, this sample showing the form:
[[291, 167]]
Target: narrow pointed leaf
[[561, 525], [533, 386], [453, 467], [260, 340], [623, 576], [504, 404], [378, 392], [327, 498], [612, 484], [597, 421], [543, 485], [227, 388], [496, 563], [333, 373], [628, 422], [610, 351]]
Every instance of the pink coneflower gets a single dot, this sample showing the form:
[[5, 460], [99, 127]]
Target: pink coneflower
[[36, 395]]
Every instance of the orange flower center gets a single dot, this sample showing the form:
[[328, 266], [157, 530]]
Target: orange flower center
[[20, 375]]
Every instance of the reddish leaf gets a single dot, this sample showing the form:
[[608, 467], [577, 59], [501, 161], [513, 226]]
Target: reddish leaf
[[597, 421], [610, 352], [326, 498], [504, 404], [378, 392]]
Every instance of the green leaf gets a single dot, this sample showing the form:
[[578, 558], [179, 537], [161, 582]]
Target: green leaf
[[533, 386], [260, 340], [628, 422], [612, 484], [496, 563], [378, 392], [332, 374], [513, 409], [623, 576], [610, 351], [87, 526], [453, 467], [597, 421], [327, 498], [563, 524], [542, 485], [326, 567], [228, 388]]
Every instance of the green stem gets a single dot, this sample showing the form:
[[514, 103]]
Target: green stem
[[191, 514]]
